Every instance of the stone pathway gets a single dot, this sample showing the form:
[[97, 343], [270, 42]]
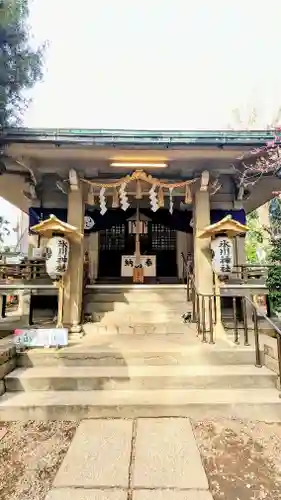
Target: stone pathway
[[142, 459]]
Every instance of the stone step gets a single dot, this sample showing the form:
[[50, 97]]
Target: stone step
[[136, 318], [194, 403], [138, 288], [193, 355], [138, 297], [136, 307], [132, 327], [79, 378]]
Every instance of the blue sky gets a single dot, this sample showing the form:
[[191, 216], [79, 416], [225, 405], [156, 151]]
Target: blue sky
[[166, 64]]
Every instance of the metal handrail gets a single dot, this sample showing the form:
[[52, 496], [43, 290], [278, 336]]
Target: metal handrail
[[198, 315], [277, 330], [201, 303], [256, 265], [22, 286], [275, 327]]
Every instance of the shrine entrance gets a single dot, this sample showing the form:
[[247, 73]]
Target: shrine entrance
[[147, 250], [158, 247], [158, 243]]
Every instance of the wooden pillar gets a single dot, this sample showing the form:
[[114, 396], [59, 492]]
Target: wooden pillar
[[203, 273], [93, 250], [202, 262], [2, 306], [73, 291], [181, 248], [240, 251]]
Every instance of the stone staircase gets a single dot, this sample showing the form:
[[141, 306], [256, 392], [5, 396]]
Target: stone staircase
[[135, 309], [139, 360]]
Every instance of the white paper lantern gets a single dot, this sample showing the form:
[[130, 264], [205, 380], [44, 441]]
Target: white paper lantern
[[223, 259], [57, 256]]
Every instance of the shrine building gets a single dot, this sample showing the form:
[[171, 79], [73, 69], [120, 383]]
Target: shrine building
[[132, 194]]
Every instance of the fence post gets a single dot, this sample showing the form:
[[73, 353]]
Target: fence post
[[211, 320], [204, 338], [198, 317], [188, 287], [245, 322], [257, 340], [193, 298], [279, 361], [235, 319]]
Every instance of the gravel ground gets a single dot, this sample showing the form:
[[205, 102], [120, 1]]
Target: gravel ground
[[242, 459], [30, 455]]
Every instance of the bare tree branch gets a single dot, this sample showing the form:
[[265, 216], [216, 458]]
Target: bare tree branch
[[260, 161]]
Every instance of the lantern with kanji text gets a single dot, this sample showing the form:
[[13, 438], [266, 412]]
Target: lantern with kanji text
[[222, 234], [60, 236], [57, 256], [222, 255]]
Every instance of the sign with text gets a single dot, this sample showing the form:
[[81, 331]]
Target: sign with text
[[148, 263], [41, 337], [223, 258]]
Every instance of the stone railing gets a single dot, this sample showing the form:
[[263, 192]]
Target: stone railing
[[271, 358], [24, 271], [7, 361], [24, 291], [249, 273]]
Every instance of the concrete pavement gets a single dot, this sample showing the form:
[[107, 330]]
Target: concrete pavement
[[141, 459]]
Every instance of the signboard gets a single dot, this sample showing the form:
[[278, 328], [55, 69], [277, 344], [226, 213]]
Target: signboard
[[37, 253], [148, 263], [41, 337], [222, 260]]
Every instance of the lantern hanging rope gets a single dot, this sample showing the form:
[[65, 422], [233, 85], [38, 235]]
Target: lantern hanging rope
[[160, 197], [115, 198], [188, 197]]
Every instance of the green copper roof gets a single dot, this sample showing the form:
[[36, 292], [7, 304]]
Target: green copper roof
[[103, 137]]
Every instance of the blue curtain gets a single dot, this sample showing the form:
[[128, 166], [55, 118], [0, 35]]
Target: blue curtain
[[179, 220]]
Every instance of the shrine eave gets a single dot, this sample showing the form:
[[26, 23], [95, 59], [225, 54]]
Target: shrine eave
[[138, 138]]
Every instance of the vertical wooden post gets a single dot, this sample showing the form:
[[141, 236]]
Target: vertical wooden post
[[138, 269], [60, 285]]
